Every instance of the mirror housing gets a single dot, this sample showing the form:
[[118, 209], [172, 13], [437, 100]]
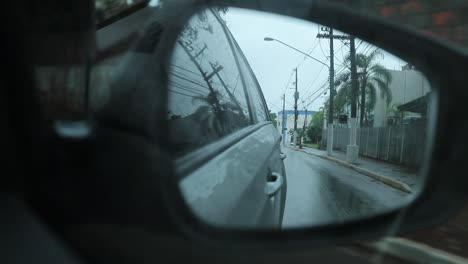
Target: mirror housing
[[444, 192]]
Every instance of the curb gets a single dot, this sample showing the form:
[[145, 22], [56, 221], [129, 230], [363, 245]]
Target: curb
[[415, 251], [384, 179]]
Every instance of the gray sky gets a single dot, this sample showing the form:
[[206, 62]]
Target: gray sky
[[273, 63]]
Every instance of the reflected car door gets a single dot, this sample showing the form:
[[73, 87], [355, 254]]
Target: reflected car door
[[276, 170], [222, 150]]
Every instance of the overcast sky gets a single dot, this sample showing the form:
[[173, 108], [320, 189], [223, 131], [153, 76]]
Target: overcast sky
[[273, 63]]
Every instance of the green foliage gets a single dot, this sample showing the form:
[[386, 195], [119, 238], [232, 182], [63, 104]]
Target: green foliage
[[273, 117], [373, 77], [314, 131], [396, 113]]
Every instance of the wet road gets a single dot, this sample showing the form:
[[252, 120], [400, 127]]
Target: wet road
[[321, 191]]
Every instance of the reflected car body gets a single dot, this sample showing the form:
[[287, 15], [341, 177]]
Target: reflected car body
[[229, 163]]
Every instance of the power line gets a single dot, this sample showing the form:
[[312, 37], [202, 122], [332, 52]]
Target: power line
[[188, 80], [359, 44], [340, 61], [187, 70], [342, 67], [308, 52], [191, 96], [185, 88], [313, 81], [366, 49], [237, 82], [320, 43], [287, 83], [324, 86], [299, 64], [342, 56], [314, 99], [273, 104], [341, 48], [376, 48]]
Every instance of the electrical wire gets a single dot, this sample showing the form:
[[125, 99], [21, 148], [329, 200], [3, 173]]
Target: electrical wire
[[308, 53], [277, 107], [313, 81], [191, 96], [185, 88], [320, 43]]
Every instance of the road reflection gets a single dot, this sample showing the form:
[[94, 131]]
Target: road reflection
[[322, 192]]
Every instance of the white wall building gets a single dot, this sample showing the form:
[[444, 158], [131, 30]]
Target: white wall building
[[289, 119], [406, 86]]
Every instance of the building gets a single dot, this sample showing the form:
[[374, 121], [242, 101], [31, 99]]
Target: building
[[302, 116], [406, 86]]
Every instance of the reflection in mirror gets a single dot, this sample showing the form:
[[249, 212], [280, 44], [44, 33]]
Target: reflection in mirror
[[275, 126]]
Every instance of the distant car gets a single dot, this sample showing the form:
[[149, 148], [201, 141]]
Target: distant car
[[227, 148]]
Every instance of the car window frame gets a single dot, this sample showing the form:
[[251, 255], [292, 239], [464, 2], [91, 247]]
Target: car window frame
[[256, 83], [202, 155], [232, 43], [122, 14]]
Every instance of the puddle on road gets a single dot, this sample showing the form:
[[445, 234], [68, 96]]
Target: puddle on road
[[350, 202]]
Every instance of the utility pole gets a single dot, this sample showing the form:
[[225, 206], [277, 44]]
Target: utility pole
[[283, 125], [303, 129], [305, 119], [296, 96], [332, 90], [332, 85], [352, 150]]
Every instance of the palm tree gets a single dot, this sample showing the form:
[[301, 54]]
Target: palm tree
[[218, 116], [372, 77]]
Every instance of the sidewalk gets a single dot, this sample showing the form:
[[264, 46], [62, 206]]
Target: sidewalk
[[451, 236], [390, 170]]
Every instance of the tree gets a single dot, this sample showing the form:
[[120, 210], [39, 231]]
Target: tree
[[314, 131], [216, 116], [273, 117], [396, 113], [372, 77]]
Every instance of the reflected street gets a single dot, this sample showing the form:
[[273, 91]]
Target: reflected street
[[321, 191]]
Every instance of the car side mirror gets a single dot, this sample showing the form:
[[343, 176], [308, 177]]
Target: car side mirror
[[219, 80]]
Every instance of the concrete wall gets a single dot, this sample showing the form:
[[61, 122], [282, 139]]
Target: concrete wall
[[405, 86], [289, 117]]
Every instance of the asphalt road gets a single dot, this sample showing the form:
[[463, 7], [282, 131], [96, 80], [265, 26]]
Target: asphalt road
[[320, 191]]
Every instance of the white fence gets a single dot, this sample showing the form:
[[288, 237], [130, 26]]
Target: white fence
[[399, 144]]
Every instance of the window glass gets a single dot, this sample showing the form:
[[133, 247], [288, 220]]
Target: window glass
[[109, 9], [206, 95], [253, 88]]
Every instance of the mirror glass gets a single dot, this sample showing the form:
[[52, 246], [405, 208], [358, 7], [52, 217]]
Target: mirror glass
[[277, 122]]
